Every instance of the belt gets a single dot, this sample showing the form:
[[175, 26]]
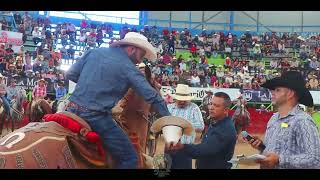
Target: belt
[[76, 106]]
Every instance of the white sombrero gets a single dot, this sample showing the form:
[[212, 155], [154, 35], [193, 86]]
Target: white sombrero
[[183, 93], [141, 65], [138, 40], [172, 121]]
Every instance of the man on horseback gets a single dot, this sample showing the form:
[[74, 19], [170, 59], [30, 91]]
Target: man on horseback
[[11, 92], [103, 76]]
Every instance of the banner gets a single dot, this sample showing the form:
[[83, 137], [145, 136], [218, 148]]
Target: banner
[[259, 96], [13, 38], [252, 95], [198, 93], [30, 83]]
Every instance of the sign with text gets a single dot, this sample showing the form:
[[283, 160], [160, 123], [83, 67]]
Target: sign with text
[[13, 38]]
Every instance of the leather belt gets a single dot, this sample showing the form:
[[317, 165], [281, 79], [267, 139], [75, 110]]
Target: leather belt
[[76, 106]]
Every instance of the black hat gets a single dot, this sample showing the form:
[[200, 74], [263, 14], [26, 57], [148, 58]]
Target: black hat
[[292, 80]]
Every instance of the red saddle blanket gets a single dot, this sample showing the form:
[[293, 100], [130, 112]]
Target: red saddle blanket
[[75, 127]]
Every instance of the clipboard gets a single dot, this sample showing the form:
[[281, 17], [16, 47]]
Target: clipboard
[[247, 160]]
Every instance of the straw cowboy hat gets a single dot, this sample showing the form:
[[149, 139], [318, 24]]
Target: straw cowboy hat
[[292, 80], [173, 121], [138, 40], [183, 93], [141, 65], [42, 80]]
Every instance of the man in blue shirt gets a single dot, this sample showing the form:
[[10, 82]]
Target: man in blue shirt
[[103, 76], [218, 143]]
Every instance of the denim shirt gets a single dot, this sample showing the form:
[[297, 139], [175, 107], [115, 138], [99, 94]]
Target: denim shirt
[[104, 75]]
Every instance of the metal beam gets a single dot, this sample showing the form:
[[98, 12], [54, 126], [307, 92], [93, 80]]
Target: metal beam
[[207, 19], [170, 19], [258, 17], [190, 19], [255, 20], [231, 24], [202, 20], [302, 21]]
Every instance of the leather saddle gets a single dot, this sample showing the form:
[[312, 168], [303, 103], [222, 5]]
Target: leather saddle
[[91, 152]]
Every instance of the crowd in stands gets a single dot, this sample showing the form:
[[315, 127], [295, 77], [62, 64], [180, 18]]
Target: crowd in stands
[[245, 58], [249, 60]]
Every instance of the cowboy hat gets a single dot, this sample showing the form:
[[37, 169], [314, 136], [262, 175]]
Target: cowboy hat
[[292, 80], [1, 76], [208, 91], [183, 93], [141, 65], [138, 40], [173, 121], [42, 80]]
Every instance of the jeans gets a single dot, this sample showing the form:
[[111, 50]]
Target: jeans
[[114, 138]]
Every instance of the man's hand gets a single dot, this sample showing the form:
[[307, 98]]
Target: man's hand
[[271, 160], [171, 147], [255, 142]]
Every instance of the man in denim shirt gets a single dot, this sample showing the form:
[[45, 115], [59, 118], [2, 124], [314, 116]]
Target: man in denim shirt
[[103, 76], [292, 139]]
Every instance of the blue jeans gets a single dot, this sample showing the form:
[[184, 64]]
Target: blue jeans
[[114, 138]]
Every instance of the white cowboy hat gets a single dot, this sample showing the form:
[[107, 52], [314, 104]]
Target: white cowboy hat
[[141, 65], [173, 121], [1, 76], [183, 93], [136, 39]]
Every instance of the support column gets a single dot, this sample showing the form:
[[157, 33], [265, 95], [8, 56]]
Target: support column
[[170, 19], [202, 21], [190, 20], [258, 19], [231, 24]]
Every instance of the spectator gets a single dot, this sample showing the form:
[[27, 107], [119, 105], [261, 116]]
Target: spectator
[[257, 52], [18, 19], [40, 90], [193, 50], [12, 90], [99, 37], [61, 91], [36, 35], [195, 80], [91, 39], [220, 73], [184, 108], [314, 64], [71, 51], [227, 63], [314, 83]]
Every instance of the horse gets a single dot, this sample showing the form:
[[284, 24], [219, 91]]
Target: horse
[[54, 144], [16, 112], [241, 116]]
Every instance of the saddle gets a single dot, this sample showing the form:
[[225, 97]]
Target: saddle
[[88, 144]]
